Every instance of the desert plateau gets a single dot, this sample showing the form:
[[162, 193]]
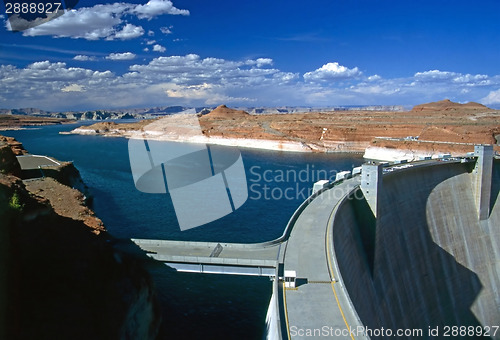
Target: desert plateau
[[438, 127]]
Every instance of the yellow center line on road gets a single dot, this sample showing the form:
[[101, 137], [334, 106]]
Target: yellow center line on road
[[341, 311], [286, 311], [330, 266]]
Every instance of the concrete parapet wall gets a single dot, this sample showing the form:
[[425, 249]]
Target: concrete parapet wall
[[216, 260], [428, 260], [170, 243]]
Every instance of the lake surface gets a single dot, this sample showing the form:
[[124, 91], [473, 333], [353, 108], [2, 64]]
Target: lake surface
[[194, 305]]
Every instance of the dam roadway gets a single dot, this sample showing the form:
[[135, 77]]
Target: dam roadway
[[318, 306]]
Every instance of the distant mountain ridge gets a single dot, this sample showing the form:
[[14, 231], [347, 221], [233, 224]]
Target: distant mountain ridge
[[97, 114], [152, 112]]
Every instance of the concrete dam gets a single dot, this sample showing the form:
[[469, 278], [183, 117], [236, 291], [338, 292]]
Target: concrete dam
[[402, 247], [426, 255]]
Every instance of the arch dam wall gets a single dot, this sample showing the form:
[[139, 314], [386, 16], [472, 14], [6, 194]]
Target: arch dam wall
[[427, 260]]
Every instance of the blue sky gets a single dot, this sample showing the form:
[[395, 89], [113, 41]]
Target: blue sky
[[254, 53]]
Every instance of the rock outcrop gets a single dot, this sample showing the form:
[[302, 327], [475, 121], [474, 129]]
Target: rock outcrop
[[224, 112], [8, 122], [8, 160], [61, 277], [448, 105]]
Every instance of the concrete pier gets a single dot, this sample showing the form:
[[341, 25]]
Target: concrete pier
[[371, 185], [482, 179]]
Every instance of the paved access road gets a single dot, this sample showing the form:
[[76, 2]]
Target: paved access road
[[29, 162], [318, 306]]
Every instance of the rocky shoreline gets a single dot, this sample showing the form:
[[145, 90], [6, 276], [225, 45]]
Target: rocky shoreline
[[236, 142], [19, 122]]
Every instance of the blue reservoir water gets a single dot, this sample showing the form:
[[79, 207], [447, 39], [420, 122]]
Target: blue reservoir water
[[194, 306]]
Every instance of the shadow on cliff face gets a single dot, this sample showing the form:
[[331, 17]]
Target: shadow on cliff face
[[65, 282], [400, 278]]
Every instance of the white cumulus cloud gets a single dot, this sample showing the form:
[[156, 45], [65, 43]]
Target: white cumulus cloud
[[437, 76], [104, 21], [45, 71], [434, 75], [39, 81], [129, 31], [81, 57], [259, 62], [159, 48], [375, 77], [193, 80], [492, 98], [209, 94], [193, 70], [121, 56], [332, 71], [157, 7], [90, 23], [183, 80]]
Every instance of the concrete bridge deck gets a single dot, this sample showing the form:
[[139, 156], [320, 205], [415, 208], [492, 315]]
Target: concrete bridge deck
[[213, 257]]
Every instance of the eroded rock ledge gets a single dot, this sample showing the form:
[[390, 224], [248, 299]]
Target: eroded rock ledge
[[60, 276]]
